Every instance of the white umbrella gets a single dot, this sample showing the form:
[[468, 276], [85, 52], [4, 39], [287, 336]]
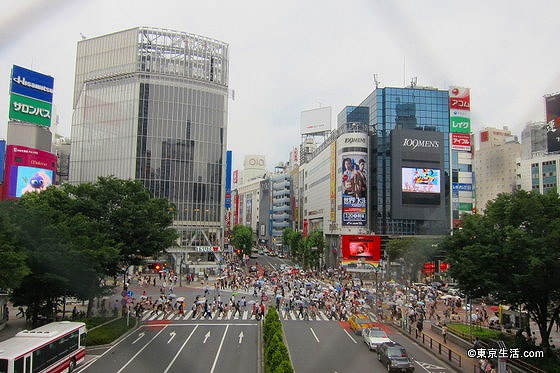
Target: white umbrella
[[181, 299]]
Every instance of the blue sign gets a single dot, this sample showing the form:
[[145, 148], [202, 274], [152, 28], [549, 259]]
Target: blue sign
[[130, 293], [2, 159], [32, 84], [460, 187]]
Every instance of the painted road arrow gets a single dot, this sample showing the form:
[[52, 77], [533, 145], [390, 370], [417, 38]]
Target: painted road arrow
[[140, 335], [206, 336], [171, 336], [241, 336]]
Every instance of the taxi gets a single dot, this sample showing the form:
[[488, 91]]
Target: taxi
[[359, 322]]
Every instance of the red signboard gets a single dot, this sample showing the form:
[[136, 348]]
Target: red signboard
[[361, 246], [461, 141], [460, 98], [27, 170]]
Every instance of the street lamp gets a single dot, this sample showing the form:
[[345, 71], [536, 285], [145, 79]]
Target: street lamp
[[181, 269]]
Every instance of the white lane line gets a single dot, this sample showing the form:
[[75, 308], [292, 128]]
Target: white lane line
[[219, 349], [353, 340], [139, 351], [315, 335], [180, 349]]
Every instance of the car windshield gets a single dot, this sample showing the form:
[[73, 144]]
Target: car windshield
[[363, 321], [378, 334], [396, 352]]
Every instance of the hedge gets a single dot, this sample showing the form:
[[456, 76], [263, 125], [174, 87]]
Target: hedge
[[276, 356]]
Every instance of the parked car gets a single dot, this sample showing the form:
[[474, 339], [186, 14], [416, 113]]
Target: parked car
[[359, 322], [373, 337], [395, 357]]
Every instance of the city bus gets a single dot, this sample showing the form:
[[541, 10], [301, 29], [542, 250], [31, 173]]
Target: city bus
[[55, 347]]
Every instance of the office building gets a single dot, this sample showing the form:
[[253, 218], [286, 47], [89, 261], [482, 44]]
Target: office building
[[151, 104]]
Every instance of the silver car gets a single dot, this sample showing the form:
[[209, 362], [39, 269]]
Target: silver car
[[374, 337]]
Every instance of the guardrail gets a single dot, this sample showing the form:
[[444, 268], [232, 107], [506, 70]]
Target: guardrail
[[443, 350]]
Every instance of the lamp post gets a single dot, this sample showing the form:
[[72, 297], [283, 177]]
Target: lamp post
[[181, 269]]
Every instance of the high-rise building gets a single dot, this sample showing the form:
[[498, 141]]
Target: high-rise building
[[411, 128], [151, 104], [495, 164]]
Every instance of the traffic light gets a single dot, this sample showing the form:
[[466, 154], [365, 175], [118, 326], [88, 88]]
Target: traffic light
[[157, 266]]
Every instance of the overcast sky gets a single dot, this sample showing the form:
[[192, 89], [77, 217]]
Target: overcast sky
[[289, 56]]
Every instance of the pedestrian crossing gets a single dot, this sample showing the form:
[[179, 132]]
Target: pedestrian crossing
[[231, 315]]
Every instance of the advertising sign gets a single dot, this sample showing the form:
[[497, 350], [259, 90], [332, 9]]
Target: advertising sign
[[315, 120], [366, 247], [461, 141], [32, 84], [459, 110], [421, 180], [28, 170], [459, 98], [228, 179], [354, 190], [2, 158], [552, 104], [30, 110]]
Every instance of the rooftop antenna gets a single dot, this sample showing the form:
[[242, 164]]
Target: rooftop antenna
[[413, 82], [376, 80]]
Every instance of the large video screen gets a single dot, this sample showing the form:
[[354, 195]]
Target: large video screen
[[421, 180], [24, 179]]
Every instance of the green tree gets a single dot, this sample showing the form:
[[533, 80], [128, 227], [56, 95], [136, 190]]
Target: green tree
[[314, 244], [242, 238], [12, 256], [413, 251], [512, 252], [86, 232], [294, 240]]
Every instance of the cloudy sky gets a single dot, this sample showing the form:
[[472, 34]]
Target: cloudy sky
[[289, 56]]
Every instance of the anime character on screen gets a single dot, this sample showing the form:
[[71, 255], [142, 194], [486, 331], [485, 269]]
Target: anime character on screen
[[38, 181]]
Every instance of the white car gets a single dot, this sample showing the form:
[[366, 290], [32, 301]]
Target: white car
[[373, 337]]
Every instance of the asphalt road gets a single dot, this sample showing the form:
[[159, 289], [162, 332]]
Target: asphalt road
[[328, 346], [173, 347]]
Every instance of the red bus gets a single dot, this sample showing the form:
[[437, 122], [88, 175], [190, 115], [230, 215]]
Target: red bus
[[53, 348]]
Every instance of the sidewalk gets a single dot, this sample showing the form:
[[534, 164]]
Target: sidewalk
[[450, 352], [14, 325]]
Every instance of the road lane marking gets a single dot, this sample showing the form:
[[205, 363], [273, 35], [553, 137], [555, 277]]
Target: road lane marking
[[171, 336], [353, 340], [142, 349], [241, 337], [140, 335], [206, 337], [315, 335], [219, 349], [180, 349]]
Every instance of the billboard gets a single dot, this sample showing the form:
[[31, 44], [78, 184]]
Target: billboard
[[552, 105], [32, 84], [420, 180], [29, 110], [228, 179], [353, 178], [361, 247], [2, 158], [28, 170], [315, 120], [461, 141]]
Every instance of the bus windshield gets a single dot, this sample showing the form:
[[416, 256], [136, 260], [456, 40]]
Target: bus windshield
[[3, 366]]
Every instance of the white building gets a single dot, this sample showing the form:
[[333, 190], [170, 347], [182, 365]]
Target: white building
[[495, 164]]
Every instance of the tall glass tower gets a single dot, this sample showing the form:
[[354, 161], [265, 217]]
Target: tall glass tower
[[402, 117], [151, 104]]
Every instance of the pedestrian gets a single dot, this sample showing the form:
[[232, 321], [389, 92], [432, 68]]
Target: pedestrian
[[20, 312], [476, 343], [444, 332]]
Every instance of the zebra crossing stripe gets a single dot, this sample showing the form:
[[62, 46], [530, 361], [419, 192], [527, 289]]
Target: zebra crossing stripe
[[323, 316]]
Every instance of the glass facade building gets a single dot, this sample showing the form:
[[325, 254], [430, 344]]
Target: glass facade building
[[151, 104], [425, 109]]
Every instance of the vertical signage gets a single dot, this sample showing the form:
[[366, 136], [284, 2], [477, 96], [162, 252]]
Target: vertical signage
[[459, 110], [31, 96], [354, 180]]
